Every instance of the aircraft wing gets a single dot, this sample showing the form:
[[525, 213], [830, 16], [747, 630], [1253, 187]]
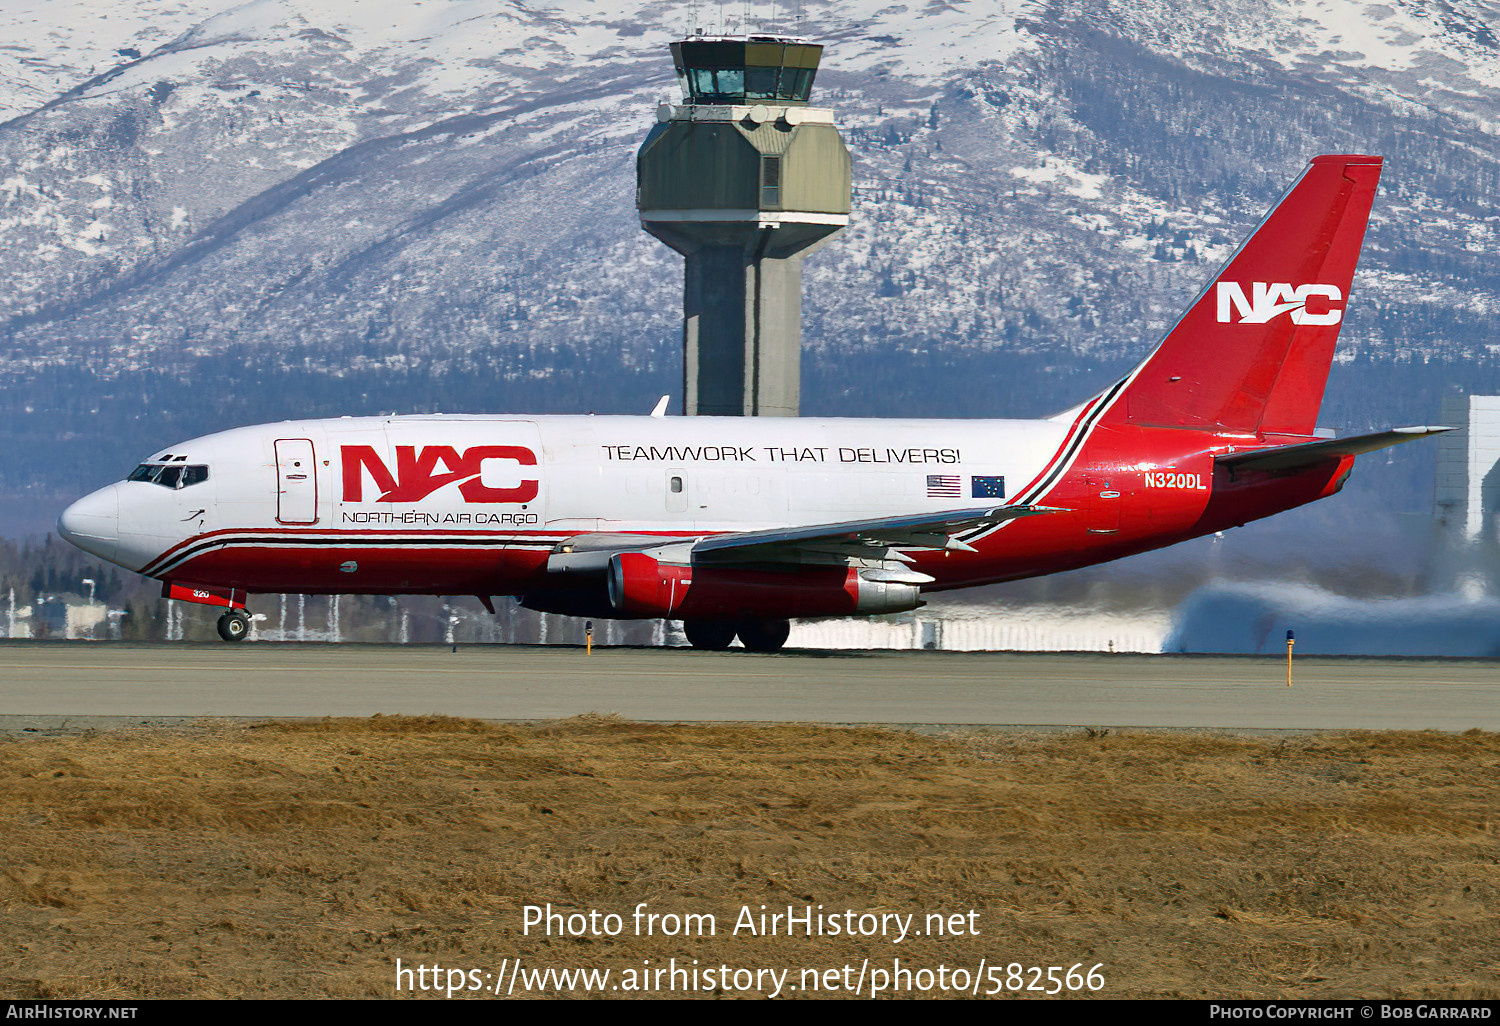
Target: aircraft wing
[[1305, 454], [861, 538], [880, 538]]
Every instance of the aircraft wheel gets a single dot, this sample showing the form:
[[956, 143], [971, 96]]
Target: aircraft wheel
[[764, 635], [713, 635], [234, 625]]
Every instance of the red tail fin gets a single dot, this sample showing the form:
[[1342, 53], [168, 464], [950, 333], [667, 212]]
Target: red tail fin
[[1252, 352]]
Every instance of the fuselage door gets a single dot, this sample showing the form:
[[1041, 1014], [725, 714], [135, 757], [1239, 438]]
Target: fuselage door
[[296, 482], [677, 495], [1103, 501]]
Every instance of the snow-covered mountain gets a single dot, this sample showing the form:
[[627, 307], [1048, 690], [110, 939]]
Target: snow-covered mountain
[[214, 212]]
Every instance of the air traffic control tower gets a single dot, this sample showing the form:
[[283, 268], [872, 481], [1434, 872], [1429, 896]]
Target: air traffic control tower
[[744, 179]]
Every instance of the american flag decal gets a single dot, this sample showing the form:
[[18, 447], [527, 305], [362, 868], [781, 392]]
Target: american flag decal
[[943, 486]]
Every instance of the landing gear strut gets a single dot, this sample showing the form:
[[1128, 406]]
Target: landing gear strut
[[234, 625]]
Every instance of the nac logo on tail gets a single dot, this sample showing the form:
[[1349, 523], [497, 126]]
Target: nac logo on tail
[[1268, 300]]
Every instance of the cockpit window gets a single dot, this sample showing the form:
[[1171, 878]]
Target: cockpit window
[[172, 476]]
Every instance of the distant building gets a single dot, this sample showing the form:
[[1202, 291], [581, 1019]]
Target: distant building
[[1467, 500], [17, 620], [68, 616], [1022, 627]]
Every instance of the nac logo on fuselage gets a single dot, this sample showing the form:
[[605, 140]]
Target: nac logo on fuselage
[[1272, 299], [417, 475]]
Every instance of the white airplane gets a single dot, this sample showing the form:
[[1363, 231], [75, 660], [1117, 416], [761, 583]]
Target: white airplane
[[737, 526]]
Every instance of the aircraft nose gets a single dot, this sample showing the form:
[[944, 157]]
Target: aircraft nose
[[93, 523]]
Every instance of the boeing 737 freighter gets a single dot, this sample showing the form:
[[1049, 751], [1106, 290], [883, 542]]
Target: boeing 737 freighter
[[737, 526]]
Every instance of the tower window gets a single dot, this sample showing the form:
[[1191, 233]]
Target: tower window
[[770, 181]]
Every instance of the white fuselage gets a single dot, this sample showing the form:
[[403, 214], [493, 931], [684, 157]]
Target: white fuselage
[[540, 480]]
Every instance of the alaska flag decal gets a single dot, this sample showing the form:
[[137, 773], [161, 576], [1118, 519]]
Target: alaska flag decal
[[988, 487]]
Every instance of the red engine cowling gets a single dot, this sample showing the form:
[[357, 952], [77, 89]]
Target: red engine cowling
[[641, 586]]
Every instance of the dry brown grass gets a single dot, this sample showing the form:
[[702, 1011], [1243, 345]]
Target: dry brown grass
[[303, 859]]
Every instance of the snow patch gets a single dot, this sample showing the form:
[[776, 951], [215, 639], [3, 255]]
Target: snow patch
[[1073, 181]]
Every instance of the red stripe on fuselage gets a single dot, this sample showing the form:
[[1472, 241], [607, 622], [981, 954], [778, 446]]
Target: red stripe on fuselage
[[229, 533], [420, 562], [368, 570], [166, 564]]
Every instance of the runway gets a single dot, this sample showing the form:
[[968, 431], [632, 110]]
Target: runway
[[69, 685]]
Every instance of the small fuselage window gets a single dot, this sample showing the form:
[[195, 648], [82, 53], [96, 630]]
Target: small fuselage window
[[172, 475]]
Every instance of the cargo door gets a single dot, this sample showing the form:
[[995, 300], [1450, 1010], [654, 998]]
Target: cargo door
[[296, 482]]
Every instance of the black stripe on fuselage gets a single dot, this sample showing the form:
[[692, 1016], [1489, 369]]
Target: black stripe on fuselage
[[1071, 448], [1075, 445]]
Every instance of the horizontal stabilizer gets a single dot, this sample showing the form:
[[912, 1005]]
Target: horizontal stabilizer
[[1305, 454]]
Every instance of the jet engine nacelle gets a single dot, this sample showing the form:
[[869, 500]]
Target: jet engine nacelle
[[641, 586]]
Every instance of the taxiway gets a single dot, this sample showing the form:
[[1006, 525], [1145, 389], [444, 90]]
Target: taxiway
[[46, 684]]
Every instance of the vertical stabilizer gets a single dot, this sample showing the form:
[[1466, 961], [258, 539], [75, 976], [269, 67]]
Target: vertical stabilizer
[[1251, 355]]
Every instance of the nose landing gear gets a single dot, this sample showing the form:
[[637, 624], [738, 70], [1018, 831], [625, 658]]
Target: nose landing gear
[[234, 625]]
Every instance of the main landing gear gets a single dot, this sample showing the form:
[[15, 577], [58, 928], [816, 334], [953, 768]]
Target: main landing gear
[[755, 635], [234, 625]]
